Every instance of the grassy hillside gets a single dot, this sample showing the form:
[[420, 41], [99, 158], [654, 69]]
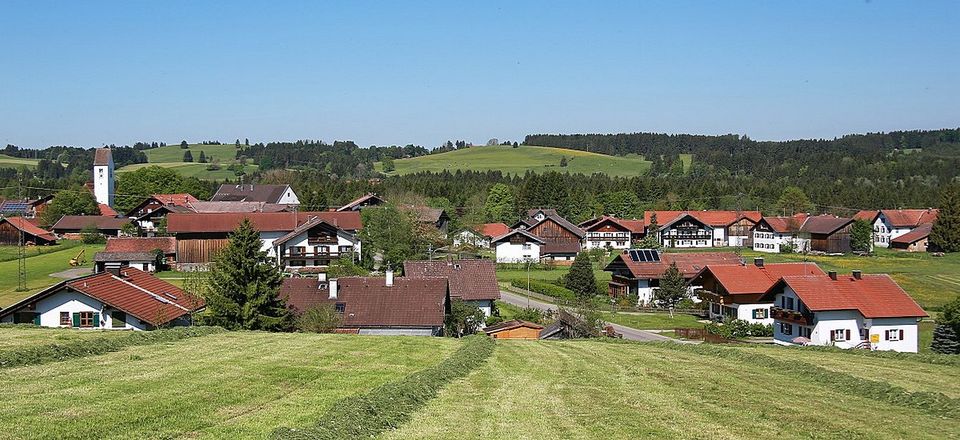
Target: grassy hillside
[[16, 162], [232, 385], [520, 160], [587, 390], [171, 156], [39, 268]]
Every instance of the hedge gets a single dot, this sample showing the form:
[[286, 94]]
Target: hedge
[[41, 354], [934, 403], [392, 404], [545, 288]]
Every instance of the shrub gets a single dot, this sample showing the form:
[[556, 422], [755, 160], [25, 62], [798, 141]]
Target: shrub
[[786, 248], [320, 319], [739, 329], [545, 288], [392, 404], [91, 235]]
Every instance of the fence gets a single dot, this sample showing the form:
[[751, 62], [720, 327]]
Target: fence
[[701, 334]]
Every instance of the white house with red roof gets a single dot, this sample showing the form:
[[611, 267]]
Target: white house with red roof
[[480, 235], [844, 311], [122, 299], [888, 224], [608, 232], [735, 291], [518, 246], [638, 271], [698, 229]]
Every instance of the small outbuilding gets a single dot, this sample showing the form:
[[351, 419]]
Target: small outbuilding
[[514, 329], [11, 228]]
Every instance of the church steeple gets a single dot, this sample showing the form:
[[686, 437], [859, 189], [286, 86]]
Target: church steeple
[[103, 176]]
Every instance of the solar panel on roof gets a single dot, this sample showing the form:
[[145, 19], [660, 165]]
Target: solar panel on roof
[[634, 256], [656, 255]]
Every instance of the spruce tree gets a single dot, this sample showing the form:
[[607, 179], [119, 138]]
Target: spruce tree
[[945, 340], [203, 157], [243, 284], [945, 235], [187, 157], [580, 279], [673, 288]]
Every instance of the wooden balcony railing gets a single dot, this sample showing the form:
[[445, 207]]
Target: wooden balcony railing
[[792, 316]]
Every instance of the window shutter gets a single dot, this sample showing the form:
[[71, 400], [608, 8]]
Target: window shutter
[[901, 335], [36, 319], [833, 335], [76, 319], [886, 335], [96, 320], [847, 333]]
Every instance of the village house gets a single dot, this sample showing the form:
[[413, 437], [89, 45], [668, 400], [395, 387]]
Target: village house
[[73, 226], [480, 236], [686, 229], [472, 281], [608, 232], [562, 240], [148, 214], [369, 199], [888, 224], [25, 207], [734, 291], [201, 236], [851, 311], [11, 227], [137, 252], [917, 240], [425, 215], [517, 246], [312, 246], [121, 299], [277, 194], [638, 271], [373, 305], [804, 233]]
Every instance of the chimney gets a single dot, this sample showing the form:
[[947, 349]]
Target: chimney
[[857, 275], [333, 288], [113, 270], [758, 261], [389, 277], [322, 277], [833, 275]]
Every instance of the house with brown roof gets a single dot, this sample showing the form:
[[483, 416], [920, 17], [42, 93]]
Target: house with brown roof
[[562, 240], [638, 271], [12, 227], [473, 281], [278, 194], [608, 232], [313, 245], [714, 228], [373, 305], [425, 215], [804, 233], [71, 226], [518, 246], [479, 236], [734, 291], [201, 235], [148, 213], [138, 252], [122, 299], [844, 311], [917, 240], [888, 224], [29, 208], [369, 199]]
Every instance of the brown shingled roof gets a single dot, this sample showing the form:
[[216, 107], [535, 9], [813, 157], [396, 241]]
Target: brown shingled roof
[[909, 218], [79, 222], [142, 244], [689, 264], [102, 157], [249, 193], [469, 279], [262, 221]]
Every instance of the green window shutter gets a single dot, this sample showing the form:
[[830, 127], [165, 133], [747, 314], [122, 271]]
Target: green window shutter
[[76, 319], [36, 319], [96, 320]]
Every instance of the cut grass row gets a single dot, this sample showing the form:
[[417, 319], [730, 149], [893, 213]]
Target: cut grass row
[[39, 268], [18, 336]]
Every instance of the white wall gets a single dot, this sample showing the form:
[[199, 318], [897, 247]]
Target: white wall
[[398, 331], [771, 241], [745, 312], [911, 334], [514, 253], [603, 240], [289, 198], [103, 183], [343, 239], [73, 302]]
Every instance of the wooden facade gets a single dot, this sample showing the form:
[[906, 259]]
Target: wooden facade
[[200, 248], [837, 242], [514, 330], [10, 235], [742, 228]]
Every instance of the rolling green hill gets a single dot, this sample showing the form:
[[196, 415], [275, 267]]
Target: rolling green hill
[[520, 160], [171, 156], [16, 162]]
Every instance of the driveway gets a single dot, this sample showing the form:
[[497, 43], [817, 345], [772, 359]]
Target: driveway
[[627, 332]]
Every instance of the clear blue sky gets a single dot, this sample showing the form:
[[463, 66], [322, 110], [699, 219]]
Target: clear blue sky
[[89, 73]]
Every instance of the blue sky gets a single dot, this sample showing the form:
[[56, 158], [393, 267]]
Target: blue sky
[[90, 73]]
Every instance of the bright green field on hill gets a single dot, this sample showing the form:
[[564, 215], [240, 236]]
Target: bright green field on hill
[[519, 160], [173, 153], [187, 169], [16, 162], [39, 268], [171, 156]]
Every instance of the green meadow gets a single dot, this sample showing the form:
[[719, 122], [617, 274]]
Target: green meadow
[[39, 268], [171, 156]]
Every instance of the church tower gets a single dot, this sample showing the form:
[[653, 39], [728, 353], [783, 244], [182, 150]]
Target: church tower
[[103, 176]]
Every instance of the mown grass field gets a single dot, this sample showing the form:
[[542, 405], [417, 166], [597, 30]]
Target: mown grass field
[[22, 336], [519, 160], [39, 268], [8, 253], [171, 156], [588, 390], [16, 162], [231, 385]]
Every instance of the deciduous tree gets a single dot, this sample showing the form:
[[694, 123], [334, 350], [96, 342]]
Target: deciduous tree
[[500, 205], [74, 201], [861, 235], [794, 200]]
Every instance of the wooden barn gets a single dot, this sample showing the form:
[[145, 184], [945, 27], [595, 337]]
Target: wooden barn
[[562, 239], [11, 227]]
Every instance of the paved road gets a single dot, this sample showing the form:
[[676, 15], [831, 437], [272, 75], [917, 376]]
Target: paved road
[[627, 332]]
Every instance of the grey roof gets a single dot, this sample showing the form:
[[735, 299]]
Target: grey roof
[[123, 256], [100, 222], [249, 193]]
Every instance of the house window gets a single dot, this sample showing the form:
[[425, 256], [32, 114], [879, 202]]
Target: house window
[[345, 249], [340, 307], [786, 329], [118, 319], [840, 335], [86, 319], [894, 335], [526, 246], [715, 308], [760, 313], [297, 263], [65, 318]]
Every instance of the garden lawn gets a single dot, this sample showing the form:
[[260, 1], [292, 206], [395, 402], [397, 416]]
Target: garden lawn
[[653, 321], [230, 385], [589, 390], [39, 269], [21, 336]]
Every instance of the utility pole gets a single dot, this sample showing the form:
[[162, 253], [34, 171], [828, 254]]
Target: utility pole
[[21, 250]]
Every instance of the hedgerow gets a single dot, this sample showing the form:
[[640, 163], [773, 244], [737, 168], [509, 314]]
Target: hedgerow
[[545, 288], [933, 403], [41, 354], [392, 404]]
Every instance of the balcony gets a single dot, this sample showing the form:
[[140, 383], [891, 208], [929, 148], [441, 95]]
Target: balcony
[[791, 316], [314, 255]]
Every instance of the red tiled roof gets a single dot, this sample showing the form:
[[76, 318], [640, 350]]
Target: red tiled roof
[[816, 224], [868, 215], [262, 221], [689, 264], [369, 302], [714, 218], [874, 296], [469, 279], [142, 244], [106, 210], [79, 222], [909, 218], [492, 229], [915, 235], [29, 228], [523, 232], [749, 278], [175, 199], [632, 225]]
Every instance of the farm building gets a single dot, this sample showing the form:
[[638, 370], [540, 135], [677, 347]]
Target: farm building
[[374, 306], [822, 233], [638, 271], [562, 240], [888, 224], [514, 329], [279, 194], [852, 311], [11, 227], [71, 226], [916, 240], [684, 229], [156, 201], [473, 281], [123, 299], [137, 252], [518, 246]]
